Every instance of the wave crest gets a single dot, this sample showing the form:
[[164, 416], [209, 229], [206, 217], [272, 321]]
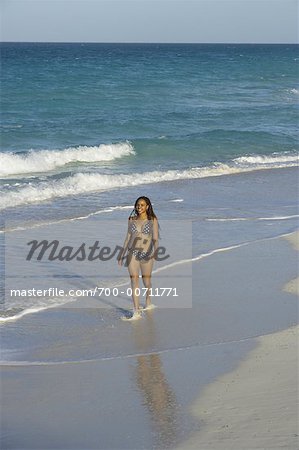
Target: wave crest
[[274, 159], [81, 183], [47, 160]]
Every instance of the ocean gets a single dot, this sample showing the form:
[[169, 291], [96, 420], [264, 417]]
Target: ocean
[[87, 128]]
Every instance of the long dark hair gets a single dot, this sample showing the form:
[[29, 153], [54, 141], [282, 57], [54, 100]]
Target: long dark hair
[[149, 212]]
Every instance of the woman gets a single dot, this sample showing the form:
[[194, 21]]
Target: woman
[[141, 243]]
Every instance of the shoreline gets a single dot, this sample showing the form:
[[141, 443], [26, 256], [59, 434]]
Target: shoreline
[[157, 384], [291, 287], [206, 265]]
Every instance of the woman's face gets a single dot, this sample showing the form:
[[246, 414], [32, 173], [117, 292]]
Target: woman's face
[[141, 206]]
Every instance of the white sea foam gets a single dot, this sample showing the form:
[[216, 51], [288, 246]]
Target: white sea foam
[[23, 313], [71, 219], [48, 160], [271, 160], [81, 183], [238, 219], [34, 309]]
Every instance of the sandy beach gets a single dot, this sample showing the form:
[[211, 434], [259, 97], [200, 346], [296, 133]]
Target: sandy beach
[[205, 131], [293, 285], [256, 405], [174, 384]]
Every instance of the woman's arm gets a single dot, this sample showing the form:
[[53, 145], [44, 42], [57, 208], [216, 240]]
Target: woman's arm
[[125, 246], [155, 234]]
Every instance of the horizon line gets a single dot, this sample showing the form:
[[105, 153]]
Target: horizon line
[[149, 43]]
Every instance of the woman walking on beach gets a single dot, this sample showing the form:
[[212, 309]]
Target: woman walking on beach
[[140, 244]]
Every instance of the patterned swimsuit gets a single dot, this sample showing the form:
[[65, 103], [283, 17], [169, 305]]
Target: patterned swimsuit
[[147, 229]]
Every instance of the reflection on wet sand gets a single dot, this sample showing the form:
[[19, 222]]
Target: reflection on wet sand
[[159, 399]]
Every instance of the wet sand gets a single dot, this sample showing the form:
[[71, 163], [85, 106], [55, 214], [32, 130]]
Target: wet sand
[[210, 380], [293, 285]]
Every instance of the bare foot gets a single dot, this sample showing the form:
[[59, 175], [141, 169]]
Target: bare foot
[[136, 315], [150, 306]]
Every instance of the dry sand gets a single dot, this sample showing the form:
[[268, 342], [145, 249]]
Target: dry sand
[[255, 406]]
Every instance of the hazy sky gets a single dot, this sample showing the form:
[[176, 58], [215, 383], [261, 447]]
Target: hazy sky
[[273, 21]]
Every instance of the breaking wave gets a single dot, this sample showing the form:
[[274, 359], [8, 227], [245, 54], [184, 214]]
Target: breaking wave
[[48, 160], [81, 183]]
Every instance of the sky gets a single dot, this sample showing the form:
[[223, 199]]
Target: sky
[[185, 21]]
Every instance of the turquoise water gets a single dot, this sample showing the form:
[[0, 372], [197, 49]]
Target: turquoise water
[[204, 99], [87, 128], [158, 107]]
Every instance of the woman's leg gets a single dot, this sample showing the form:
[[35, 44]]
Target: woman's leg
[[146, 270], [133, 268]]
